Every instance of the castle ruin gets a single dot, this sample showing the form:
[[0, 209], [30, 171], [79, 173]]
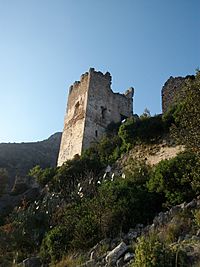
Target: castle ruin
[[91, 107], [172, 91]]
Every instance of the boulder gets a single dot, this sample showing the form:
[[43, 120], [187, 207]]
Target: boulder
[[32, 262], [100, 249], [116, 253], [128, 256], [120, 262]]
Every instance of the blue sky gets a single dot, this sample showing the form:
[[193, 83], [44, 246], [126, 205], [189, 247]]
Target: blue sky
[[45, 45]]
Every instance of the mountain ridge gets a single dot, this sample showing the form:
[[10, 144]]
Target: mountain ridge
[[19, 158]]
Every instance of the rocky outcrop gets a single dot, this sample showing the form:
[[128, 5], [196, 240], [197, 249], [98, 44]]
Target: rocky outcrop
[[116, 253], [119, 252], [151, 154]]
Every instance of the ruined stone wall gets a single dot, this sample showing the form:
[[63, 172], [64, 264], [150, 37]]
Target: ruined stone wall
[[92, 106], [104, 107], [172, 90], [71, 142]]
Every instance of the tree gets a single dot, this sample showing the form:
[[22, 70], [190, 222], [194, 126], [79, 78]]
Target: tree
[[42, 176]]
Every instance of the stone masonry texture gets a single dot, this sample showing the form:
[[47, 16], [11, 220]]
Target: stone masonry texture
[[172, 91], [91, 107]]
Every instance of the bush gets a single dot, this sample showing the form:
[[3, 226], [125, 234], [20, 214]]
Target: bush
[[29, 224], [152, 253], [143, 130], [197, 217], [107, 151], [177, 179], [179, 226], [129, 200], [55, 244], [71, 260], [42, 176], [72, 172], [86, 232]]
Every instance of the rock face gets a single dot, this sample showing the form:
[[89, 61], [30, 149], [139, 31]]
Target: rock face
[[19, 158], [151, 154], [91, 107]]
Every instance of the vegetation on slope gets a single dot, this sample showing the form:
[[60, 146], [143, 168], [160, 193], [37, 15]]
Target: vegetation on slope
[[80, 205]]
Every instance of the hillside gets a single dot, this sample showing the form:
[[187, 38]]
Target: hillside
[[19, 158], [130, 200]]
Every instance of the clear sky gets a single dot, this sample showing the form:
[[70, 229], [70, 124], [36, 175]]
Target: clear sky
[[45, 45]]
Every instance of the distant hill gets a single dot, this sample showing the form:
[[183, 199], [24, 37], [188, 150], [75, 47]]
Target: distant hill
[[19, 158]]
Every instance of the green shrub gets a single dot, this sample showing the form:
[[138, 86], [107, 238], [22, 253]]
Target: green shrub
[[129, 199], [72, 172], [42, 176], [106, 151], [86, 232], [197, 217], [150, 252], [55, 244], [143, 130], [178, 179], [179, 226]]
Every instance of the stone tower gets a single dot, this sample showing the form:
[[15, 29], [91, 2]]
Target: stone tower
[[172, 91], [91, 107]]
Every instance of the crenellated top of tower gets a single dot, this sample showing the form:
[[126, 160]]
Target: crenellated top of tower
[[85, 75], [106, 76]]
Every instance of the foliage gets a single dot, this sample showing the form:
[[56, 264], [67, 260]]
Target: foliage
[[146, 114], [78, 207], [6, 249], [91, 219], [55, 243], [197, 217], [180, 225], [128, 199], [178, 179], [146, 129], [42, 176], [29, 227], [72, 172], [26, 227], [106, 151], [70, 260], [151, 252]]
